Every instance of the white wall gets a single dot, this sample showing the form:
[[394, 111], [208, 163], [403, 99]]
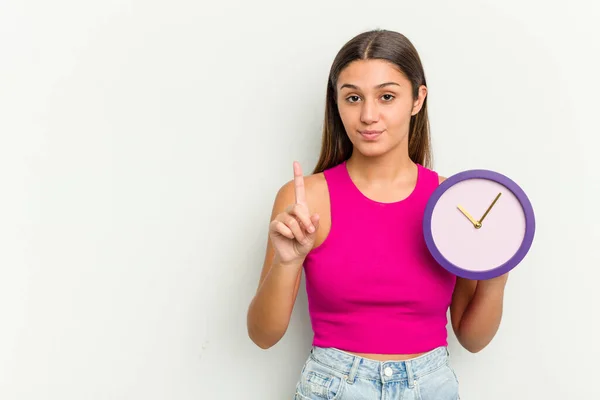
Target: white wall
[[142, 143]]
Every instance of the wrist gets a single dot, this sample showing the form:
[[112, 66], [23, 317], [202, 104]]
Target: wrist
[[293, 264]]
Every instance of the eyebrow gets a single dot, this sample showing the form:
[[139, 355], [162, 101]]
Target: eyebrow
[[348, 85]]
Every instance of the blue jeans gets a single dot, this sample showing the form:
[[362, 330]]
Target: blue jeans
[[331, 374]]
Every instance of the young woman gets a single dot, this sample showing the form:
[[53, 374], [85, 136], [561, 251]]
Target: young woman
[[377, 299]]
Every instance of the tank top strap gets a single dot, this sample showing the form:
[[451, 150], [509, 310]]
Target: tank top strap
[[428, 179], [340, 185]]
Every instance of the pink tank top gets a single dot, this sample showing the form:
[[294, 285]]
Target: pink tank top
[[372, 285]]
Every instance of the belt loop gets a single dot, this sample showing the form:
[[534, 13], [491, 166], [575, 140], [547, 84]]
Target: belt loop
[[353, 370], [409, 374]]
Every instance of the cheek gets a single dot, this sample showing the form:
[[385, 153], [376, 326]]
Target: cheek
[[347, 114], [397, 117], [350, 118]]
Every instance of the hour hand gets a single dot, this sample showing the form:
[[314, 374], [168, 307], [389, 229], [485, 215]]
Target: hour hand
[[476, 224]]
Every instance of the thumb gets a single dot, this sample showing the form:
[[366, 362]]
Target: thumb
[[315, 221]]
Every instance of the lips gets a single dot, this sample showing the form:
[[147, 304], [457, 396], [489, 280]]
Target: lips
[[370, 135]]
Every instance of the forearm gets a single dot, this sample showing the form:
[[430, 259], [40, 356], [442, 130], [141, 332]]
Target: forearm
[[482, 317], [270, 310]]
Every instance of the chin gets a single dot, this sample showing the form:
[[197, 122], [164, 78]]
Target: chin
[[372, 150]]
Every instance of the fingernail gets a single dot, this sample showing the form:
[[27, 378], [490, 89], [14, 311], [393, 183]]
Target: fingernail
[[311, 229]]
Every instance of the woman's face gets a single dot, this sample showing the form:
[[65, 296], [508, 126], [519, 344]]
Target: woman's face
[[375, 104]]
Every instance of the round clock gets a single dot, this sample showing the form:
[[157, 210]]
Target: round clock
[[478, 224]]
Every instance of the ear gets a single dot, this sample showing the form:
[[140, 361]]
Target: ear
[[418, 103]]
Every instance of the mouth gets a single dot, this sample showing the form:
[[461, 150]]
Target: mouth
[[370, 135]]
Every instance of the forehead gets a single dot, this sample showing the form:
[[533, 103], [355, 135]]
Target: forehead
[[366, 74]]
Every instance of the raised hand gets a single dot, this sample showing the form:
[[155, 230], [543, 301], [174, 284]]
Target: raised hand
[[293, 231]]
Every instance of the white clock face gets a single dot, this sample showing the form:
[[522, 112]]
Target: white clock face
[[478, 249]]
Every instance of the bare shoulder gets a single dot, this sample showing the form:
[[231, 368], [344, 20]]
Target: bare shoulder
[[316, 190]]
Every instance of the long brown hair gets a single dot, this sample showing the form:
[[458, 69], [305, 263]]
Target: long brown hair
[[376, 44]]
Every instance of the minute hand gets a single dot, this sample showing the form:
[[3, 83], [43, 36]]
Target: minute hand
[[489, 208]]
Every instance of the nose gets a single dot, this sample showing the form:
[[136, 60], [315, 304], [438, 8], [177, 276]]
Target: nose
[[369, 112]]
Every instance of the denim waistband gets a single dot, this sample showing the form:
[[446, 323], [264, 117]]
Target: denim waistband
[[354, 366]]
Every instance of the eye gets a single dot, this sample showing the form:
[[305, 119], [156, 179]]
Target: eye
[[352, 99], [388, 97]]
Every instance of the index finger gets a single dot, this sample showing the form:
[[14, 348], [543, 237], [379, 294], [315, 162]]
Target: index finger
[[299, 184]]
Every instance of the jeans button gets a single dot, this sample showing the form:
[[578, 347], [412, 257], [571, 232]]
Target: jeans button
[[388, 371]]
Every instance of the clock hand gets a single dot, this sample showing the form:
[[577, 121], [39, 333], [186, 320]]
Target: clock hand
[[489, 208], [476, 224]]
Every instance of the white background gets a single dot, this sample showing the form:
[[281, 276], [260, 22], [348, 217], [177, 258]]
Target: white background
[[142, 144]]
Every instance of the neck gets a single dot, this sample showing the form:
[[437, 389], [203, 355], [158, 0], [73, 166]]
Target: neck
[[390, 167]]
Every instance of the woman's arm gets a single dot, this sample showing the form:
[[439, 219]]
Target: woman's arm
[[476, 311], [271, 308]]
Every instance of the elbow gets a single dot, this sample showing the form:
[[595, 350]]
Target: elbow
[[262, 339], [264, 327], [472, 345], [260, 336], [265, 345], [474, 349]]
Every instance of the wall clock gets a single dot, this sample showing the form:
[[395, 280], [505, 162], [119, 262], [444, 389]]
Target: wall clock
[[478, 224]]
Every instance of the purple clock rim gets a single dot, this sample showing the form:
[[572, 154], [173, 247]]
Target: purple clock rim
[[521, 197]]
